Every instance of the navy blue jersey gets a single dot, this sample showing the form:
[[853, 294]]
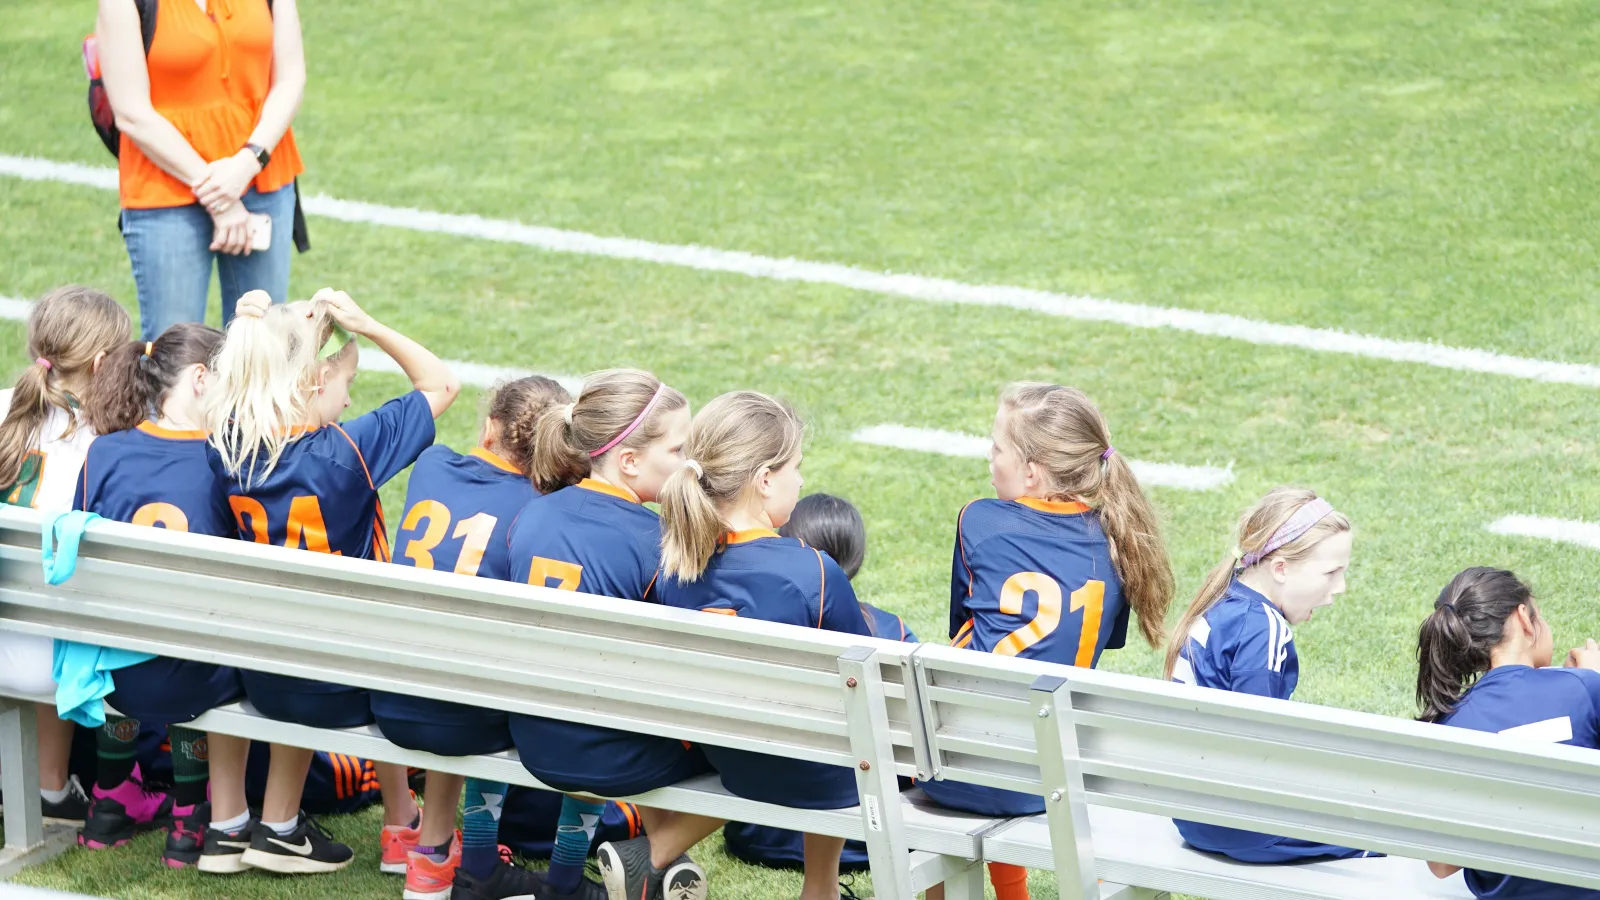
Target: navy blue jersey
[[759, 574], [459, 509], [1034, 579], [591, 537], [323, 493], [886, 624], [1242, 643], [1555, 706], [151, 475]]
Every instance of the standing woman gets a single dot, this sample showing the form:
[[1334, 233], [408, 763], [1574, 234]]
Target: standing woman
[[204, 117]]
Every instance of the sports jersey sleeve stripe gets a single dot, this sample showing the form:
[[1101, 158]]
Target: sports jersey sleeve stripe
[[961, 545], [651, 586], [822, 595], [359, 457]]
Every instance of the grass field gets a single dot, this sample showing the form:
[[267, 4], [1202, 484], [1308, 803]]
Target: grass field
[[1411, 170]]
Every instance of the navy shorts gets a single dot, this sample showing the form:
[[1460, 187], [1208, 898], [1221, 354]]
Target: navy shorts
[[439, 726], [1253, 847], [587, 759], [166, 691], [983, 801], [785, 782], [315, 704]]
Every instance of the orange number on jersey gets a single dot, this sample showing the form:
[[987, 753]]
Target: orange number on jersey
[[161, 515], [420, 548], [1044, 621], [306, 527], [477, 531], [1090, 598], [250, 507], [566, 574]]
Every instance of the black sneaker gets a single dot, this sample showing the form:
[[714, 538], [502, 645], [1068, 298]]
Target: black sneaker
[[684, 880], [223, 853], [625, 865], [307, 850], [506, 882], [186, 838], [73, 809]]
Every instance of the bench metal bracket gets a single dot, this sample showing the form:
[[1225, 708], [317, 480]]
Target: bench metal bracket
[[868, 723], [1061, 771]]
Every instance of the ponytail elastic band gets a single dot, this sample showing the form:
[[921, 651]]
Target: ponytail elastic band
[[691, 464], [44, 362], [1301, 522], [643, 414], [148, 346], [337, 339], [1110, 451]]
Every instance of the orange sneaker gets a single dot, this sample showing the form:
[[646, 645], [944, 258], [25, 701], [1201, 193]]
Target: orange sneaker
[[429, 880], [397, 841]]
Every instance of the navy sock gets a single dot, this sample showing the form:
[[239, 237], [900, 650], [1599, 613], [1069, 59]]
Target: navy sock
[[480, 826], [574, 833]]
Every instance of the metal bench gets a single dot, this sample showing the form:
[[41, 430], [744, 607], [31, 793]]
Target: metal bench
[[798, 693], [1115, 757]]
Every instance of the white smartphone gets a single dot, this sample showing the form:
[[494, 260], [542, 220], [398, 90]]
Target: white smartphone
[[260, 232]]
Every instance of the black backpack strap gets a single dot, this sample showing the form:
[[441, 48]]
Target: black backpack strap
[[302, 238], [147, 21]]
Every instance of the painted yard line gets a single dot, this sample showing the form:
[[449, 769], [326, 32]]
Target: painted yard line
[[951, 443], [938, 290], [374, 360], [1565, 531]]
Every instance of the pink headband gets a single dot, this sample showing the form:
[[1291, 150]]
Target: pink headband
[[643, 414], [1301, 522]]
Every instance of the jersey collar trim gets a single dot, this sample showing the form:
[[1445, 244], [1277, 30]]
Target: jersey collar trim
[[1059, 507], [173, 434], [601, 487], [494, 459], [748, 535]]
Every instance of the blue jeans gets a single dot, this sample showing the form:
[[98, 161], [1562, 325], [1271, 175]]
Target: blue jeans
[[170, 249]]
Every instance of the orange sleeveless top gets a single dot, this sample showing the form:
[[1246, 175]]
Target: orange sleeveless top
[[209, 75]]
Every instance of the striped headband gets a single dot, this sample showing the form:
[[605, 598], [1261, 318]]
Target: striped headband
[[1301, 522], [643, 414]]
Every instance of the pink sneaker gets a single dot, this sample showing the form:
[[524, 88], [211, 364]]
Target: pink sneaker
[[115, 816], [397, 841]]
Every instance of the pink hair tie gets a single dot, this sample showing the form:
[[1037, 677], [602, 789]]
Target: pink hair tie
[[1301, 522], [44, 362], [643, 414], [1110, 451]]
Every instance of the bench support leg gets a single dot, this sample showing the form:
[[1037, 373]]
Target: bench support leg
[[1068, 815], [962, 878], [27, 839], [867, 717]]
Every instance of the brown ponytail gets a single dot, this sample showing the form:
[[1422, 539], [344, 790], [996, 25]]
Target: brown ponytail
[[1060, 430], [607, 405], [70, 328], [730, 442], [1256, 527], [132, 383], [518, 406], [1468, 620]]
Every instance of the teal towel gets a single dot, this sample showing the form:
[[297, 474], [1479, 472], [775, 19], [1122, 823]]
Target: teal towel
[[82, 671]]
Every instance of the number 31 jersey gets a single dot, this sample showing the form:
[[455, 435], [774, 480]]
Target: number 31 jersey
[[459, 510], [1034, 578]]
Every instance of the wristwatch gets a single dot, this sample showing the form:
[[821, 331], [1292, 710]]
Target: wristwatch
[[263, 155]]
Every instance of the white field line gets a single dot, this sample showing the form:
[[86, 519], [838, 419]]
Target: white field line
[[1565, 531], [374, 360], [951, 443], [915, 287]]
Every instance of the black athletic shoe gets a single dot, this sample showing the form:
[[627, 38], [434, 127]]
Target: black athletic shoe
[[684, 880], [507, 882], [223, 853], [625, 865], [186, 837], [308, 850], [119, 814], [73, 808]]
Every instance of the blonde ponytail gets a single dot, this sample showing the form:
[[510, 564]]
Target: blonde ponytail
[[1252, 545], [1060, 430], [69, 329], [615, 408], [263, 379], [732, 440]]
